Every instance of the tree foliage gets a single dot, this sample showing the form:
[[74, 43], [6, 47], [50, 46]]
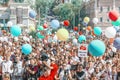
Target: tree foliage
[[43, 5], [64, 11], [69, 11]]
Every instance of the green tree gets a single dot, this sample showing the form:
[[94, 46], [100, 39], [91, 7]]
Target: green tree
[[44, 6], [70, 11], [64, 11], [31, 3]]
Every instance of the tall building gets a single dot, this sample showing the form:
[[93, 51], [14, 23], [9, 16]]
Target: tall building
[[100, 9], [16, 12]]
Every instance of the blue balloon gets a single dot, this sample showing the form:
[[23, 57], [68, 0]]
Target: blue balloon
[[97, 31], [32, 14], [116, 28], [55, 24], [84, 24], [81, 38], [15, 30], [97, 48], [26, 49], [116, 43]]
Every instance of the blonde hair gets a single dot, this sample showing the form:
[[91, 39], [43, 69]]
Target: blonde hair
[[7, 76]]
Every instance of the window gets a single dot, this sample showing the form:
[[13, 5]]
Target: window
[[108, 8], [101, 19], [119, 9], [108, 20], [101, 9], [25, 12], [13, 12], [19, 15], [19, 1]]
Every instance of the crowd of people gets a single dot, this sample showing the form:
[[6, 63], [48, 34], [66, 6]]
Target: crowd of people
[[55, 60]]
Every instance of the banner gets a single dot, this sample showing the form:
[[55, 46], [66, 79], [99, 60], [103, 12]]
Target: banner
[[82, 50]]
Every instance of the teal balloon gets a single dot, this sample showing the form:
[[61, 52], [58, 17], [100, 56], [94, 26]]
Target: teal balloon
[[40, 36], [15, 30], [49, 32], [40, 28], [116, 23], [26, 49], [97, 31], [55, 24], [97, 48], [81, 38]]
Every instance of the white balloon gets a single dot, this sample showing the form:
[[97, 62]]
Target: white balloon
[[16, 38], [75, 41], [27, 30], [110, 32], [30, 37], [95, 20], [9, 23]]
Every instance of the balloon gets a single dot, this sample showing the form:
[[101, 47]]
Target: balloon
[[62, 34], [81, 38], [15, 30], [95, 20], [75, 41], [116, 23], [97, 48], [26, 49], [45, 25], [86, 19], [117, 28], [97, 31], [49, 32], [66, 23], [80, 33], [32, 28], [9, 23], [40, 28], [116, 43], [110, 32], [55, 24], [84, 23], [40, 36], [89, 28], [113, 15], [75, 28], [32, 14]]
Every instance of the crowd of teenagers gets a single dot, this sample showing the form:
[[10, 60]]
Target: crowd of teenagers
[[55, 60]]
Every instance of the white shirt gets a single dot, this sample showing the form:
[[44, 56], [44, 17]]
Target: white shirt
[[6, 66], [1, 60], [18, 69], [75, 59]]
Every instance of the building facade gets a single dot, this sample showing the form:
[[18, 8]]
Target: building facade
[[17, 13], [100, 9]]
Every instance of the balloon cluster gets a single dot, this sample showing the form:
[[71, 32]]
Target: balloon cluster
[[114, 16]]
